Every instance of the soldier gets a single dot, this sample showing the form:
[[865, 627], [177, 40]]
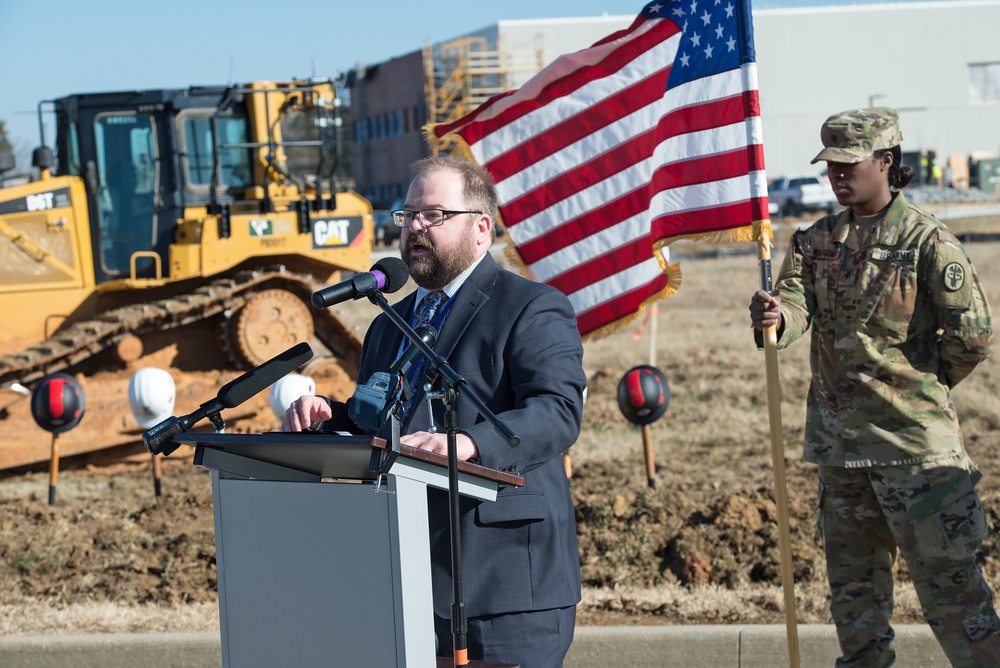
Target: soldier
[[898, 318]]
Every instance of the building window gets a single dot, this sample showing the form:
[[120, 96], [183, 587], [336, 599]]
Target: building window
[[406, 119], [984, 83]]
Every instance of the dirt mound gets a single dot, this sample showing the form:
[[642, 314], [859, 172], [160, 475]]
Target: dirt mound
[[700, 547], [110, 539]]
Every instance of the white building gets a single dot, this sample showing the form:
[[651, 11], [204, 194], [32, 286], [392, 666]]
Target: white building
[[938, 63]]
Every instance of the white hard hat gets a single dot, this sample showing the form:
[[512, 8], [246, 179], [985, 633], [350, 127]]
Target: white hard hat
[[287, 389], [151, 396]]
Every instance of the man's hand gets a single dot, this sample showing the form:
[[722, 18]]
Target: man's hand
[[306, 412], [765, 310], [423, 440]]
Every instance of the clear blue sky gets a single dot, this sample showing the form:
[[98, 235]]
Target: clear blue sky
[[51, 48]]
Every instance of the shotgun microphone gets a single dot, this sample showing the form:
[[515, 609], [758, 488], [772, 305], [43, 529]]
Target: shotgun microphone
[[159, 439]]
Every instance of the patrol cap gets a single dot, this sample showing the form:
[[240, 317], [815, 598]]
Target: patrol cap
[[851, 136]]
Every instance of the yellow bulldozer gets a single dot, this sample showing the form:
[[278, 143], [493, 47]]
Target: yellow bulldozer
[[162, 223]]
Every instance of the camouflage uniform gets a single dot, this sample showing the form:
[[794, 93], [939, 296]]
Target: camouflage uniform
[[898, 318]]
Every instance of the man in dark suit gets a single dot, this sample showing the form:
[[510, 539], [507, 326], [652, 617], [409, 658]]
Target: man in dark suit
[[516, 344]]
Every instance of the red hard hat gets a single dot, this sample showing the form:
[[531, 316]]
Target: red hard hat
[[57, 403], [643, 394]]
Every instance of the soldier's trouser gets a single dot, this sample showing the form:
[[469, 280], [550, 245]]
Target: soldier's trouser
[[934, 516]]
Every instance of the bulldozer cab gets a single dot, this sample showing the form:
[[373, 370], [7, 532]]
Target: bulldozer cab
[[146, 157]]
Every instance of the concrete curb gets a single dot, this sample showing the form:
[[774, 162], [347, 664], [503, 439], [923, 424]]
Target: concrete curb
[[750, 646]]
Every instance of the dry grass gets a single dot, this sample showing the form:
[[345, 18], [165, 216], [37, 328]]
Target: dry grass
[[88, 618]]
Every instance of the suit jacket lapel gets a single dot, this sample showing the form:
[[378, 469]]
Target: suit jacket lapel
[[390, 337], [472, 297]]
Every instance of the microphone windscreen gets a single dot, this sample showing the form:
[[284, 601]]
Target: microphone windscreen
[[235, 392], [395, 271]]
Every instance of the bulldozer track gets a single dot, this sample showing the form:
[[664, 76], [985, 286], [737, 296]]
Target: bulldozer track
[[82, 340]]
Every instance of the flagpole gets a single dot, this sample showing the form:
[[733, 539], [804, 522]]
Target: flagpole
[[778, 459], [647, 432]]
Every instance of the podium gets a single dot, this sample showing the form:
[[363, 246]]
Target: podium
[[322, 559]]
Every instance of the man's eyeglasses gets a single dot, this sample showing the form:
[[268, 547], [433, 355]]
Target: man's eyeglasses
[[429, 217]]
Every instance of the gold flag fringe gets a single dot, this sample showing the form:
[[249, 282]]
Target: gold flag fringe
[[673, 272], [459, 148], [514, 258], [427, 130], [753, 232]]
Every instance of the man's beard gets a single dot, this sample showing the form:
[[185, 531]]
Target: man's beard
[[440, 267]]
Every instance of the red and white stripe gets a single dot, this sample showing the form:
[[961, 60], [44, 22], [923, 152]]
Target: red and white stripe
[[596, 162]]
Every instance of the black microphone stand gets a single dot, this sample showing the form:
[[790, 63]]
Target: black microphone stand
[[454, 385]]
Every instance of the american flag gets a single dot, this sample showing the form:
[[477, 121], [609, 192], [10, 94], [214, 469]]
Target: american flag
[[609, 154]]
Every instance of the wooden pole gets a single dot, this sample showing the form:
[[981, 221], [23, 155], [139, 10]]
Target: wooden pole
[[647, 446], [647, 436], [53, 469], [778, 461], [157, 475]]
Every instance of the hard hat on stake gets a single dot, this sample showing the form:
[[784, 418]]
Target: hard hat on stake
[[287, 389], [151, 394], [643, 394], [57, 403]]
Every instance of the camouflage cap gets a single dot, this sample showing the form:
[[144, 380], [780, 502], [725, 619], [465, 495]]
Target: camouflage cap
[[851, 136]]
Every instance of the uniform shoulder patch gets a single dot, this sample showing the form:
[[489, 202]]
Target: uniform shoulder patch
[[953, 277]]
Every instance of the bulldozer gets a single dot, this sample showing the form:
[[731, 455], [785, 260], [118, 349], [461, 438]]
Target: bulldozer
[[185, 228]]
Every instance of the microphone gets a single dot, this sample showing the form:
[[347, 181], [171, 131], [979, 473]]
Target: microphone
[[388, 275], [159, 439], [428, 335]]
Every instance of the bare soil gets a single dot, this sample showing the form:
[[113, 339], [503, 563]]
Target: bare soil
[[701, 546]]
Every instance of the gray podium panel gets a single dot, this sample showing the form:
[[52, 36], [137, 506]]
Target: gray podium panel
[[315, 566], [306, 575]]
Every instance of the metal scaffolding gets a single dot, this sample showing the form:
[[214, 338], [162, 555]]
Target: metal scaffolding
[[462, 74]]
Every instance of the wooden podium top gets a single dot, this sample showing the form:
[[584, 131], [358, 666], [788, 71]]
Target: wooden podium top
[[328, 455]]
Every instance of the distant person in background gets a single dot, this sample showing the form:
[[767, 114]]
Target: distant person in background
[[898, 319]]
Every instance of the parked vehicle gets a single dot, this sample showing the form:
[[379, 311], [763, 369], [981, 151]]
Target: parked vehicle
[[795, 195], [387, 232]]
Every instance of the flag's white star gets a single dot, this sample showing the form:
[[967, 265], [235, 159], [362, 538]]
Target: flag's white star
[[657, 7], [695, 39], [729, 10], [719, 31], [706, 17], [694, 6], [731, 44], [708, 51], [684, 60], [678, 11]]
